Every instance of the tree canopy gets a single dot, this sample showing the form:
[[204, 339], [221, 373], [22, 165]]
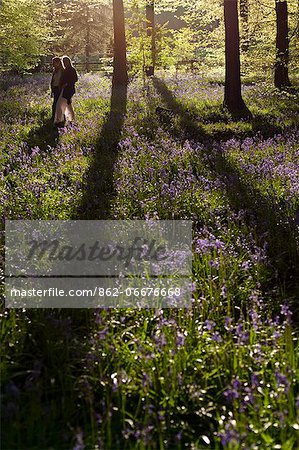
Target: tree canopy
[[25, 33], [185, 31]]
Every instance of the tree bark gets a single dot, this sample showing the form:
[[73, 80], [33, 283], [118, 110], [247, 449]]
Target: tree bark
[[87, 40], [244, 14], [232, 94], [281, 71], [150, 25], [120, 74]]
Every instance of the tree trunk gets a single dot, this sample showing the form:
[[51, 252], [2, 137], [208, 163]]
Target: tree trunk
[[120, 74], [150, 25], [87, 40], [232, 93], [281, 72], [244, 14]]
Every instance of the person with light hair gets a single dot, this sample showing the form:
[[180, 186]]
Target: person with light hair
[[58, 70], [64, 109]]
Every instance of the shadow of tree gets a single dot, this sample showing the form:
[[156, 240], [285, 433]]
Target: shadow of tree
[[266, 126], [190, 125], [65, 326], [264, 215], [99, 190]]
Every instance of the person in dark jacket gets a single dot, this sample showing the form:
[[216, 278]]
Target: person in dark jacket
[[58, 70], [68, 80]]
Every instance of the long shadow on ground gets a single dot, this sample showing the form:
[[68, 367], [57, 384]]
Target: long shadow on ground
[[190, 127], [53, 344], [44, 136], [99, 189], [268, 218]]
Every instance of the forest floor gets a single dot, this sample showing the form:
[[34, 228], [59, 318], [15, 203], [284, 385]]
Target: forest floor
[[221, 374]]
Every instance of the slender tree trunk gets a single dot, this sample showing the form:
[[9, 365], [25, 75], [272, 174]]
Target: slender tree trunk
[[150, 25], [244, 14], [87, 40], [296, 31], [120, 74], [232, 93], [281, 72]]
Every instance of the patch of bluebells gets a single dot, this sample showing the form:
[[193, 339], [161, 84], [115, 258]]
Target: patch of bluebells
[[271, 164], [145, 374], [53, 174]]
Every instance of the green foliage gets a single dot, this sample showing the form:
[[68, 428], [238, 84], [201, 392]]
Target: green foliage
[[200, 35], [84, 27], [259, 54], [184, 45], [172, 46], [185, 31], [24, 33], [138, 43]]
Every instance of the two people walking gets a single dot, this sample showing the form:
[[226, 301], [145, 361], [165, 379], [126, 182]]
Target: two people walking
[[63, 82]]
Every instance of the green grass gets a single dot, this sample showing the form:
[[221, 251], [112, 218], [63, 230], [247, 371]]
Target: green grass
[[221, 374]]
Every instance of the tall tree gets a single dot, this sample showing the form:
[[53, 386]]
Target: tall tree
[[151, 32], [87, 39], [84, 28], [120, 73], [281, 73], [232, 94]]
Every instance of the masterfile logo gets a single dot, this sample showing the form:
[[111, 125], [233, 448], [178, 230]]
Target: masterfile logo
[[59, 262]]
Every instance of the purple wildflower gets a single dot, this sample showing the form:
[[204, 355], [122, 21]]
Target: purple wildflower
[[282, 381], [210, 325]]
